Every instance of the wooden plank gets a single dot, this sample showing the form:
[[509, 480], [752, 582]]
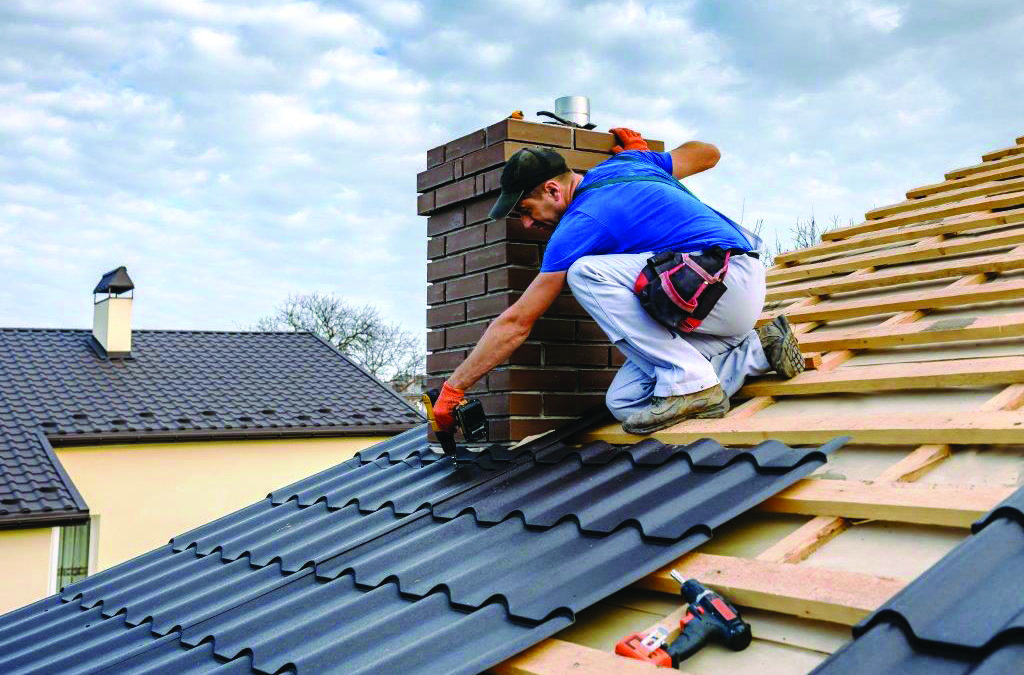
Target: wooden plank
[[967, 329], [798, 590], [917, 463], [559, 657], [929, 251], [944, 269], [984, 166], [953, 225], [978, 372], [1011, 171], [955, 428], [977, 204], [1005, 152], [806, 539], [963, 192], [1011, 398], [995, 291], [945, 505]]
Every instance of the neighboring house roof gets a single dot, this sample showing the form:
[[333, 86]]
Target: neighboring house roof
[[398, 561], [177, 385], [964, 615]]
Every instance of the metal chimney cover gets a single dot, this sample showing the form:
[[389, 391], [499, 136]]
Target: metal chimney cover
[[574, 108]]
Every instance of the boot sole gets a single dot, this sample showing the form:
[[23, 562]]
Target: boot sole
[[716, 411], [792, 362]]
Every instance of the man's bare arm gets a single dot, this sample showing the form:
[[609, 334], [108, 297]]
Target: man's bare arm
[[693, 157], [509, 330]]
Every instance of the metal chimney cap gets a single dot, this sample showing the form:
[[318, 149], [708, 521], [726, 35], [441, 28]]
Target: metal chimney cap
[[573, 108], [115, 281]]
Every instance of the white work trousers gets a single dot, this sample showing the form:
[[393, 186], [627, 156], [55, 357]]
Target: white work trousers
[[724, 349]]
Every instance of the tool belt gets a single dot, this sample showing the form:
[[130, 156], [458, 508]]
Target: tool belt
[[679, 290]]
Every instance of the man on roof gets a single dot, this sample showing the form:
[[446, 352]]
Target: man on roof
[[618, 238]]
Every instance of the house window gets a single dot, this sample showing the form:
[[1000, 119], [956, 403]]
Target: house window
[[73, 554]]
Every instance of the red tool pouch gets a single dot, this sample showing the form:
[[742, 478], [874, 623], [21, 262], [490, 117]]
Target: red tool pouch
[[679, 290]]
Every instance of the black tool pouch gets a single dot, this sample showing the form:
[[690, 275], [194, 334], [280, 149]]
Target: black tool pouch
[[679, 290]]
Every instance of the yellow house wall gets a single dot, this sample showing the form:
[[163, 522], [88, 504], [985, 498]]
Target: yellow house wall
[[140, 496], [26, 566]]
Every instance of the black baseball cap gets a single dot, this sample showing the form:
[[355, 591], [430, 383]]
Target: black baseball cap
[[524, 171]]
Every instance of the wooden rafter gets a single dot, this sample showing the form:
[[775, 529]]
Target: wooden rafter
[[963, 192], [980, 177], [966, 329], [984, 166]]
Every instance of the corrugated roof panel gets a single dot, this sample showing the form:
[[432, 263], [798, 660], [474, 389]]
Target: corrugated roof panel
[[964, 615], [514, 544]]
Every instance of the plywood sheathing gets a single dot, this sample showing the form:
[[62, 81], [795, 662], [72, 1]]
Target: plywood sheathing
[[939, 270]]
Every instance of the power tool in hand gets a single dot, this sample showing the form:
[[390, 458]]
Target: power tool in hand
[[709, 618], [469, 417]]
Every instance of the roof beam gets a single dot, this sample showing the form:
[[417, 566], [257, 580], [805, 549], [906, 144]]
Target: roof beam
[[921, 375], [953, 225], [810, 592], [955, 428], [975, 204], [921, 251], [967, 329], [945, 505], [952, 195], [932, 299], [1005, 152], [984, 166], [558, 657]]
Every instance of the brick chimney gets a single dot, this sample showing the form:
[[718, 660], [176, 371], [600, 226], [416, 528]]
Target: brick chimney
[[477, 268]]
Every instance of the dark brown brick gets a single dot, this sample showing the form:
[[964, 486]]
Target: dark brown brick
[[553, 329], [425, 203], [566, 305], [465, 144], [458, 169], [617, 357], [513, 229], [532, 379], [479, 209], [467, 238], [490, 306], [446, 315], [512, 278], [528, 354], [491, 181], [598, 141], [511, 404], [435, 340], [485, 158], [522, 427], [446, 220], [435, 294], [442, 362], [466, 334], [431, 178], [446, 268], [589, 331], [570, 404], [433, 382], [435, 156], [466, 287], [529, 132], [591, 380], [500, 254], [575, 355], [456, 192], [435, 248]]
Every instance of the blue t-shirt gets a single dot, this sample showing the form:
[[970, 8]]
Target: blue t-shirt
[[636, 217]]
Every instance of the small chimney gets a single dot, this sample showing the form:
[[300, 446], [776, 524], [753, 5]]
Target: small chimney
[[112, 313]]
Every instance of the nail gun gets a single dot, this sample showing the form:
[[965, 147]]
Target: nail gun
[[469, 417], [709, 618]]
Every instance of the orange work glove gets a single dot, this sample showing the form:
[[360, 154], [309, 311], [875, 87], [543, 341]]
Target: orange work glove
[[447, 401], [628, 140]]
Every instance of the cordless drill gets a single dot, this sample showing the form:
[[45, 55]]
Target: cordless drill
[[469, 416], [709, 618]]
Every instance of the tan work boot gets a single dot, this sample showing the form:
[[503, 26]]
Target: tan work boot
[[781, 348], [666, 411]]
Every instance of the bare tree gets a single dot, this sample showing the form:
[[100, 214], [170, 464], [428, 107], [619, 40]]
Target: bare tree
[[387, 351]]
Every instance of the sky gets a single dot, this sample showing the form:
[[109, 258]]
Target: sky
[[233, 153]]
